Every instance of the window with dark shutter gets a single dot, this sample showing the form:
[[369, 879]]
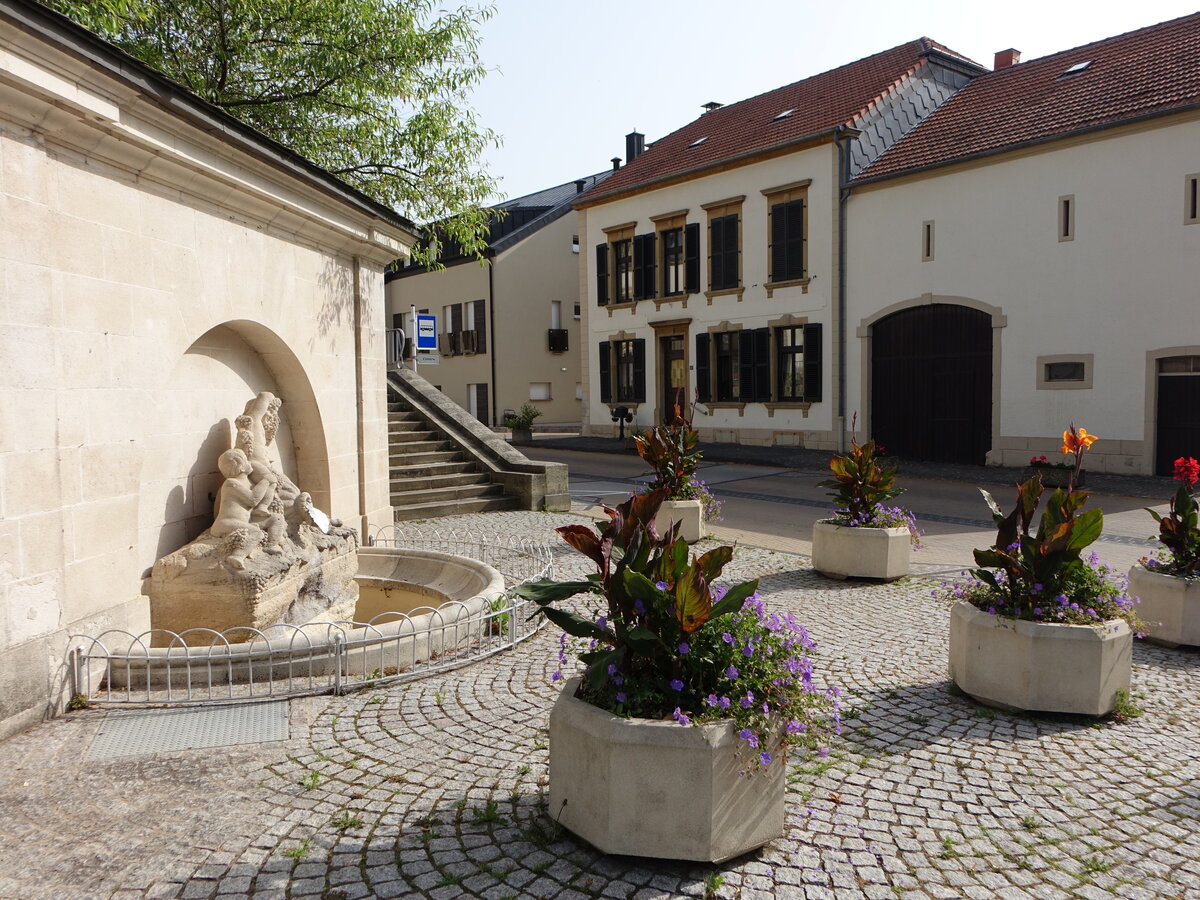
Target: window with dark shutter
[[644, 267], [622, 270], [726, 345], [480, 328], [788, 256], [602, 274], [672, 251], [812, 363], [723, 252], [605, 372], [638, 392], [789, 353], [703, 385], [691, 252]]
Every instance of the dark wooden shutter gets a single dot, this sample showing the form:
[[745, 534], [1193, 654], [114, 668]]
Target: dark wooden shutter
[[643, 266], [639, 371], [795, 239], [480, 327], [605, 372], [703, 385], [778, 242], [481, 402], [731, 251], [602, 274], [716, 258], [762, 364], [691, 258], [456, 318], [746, 365], [812, 363]]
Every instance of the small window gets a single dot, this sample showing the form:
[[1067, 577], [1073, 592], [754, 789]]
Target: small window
[[1077, 68], [1066, 217], [578, 311], [672, 262], [579, 390], [539, 390], [727, 345], [1065, 372], [697, 142], [1179, 365], [556, 314], [574, 243], [1191, 197], [783, 115], [623, 270], [927, 240]]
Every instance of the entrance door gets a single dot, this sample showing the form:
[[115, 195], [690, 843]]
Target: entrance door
[[674, 377], [931, 383], [1178, 412]]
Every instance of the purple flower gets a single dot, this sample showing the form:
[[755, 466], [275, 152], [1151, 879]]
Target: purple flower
[[661, 585], [639, 607], [711, 699], [618, 680], [677, 685], [796, 727], [602, 622], [747, 651], [556, 677], [731, 673], [823, 752], [681, 718], [765, 758], [724, 703], [684, 648], [620, 696], [727, 638], [612, 669], [747, 701], [748, 736]]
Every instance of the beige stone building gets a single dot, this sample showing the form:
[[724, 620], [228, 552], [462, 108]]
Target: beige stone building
[[508, 330], [159, 264]]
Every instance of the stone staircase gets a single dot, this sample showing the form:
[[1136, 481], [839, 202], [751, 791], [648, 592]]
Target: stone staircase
[[430, 475]]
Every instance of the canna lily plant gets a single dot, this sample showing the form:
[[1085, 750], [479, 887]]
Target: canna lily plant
[[1043, 575], [1179, 529], [861, 484], [668, 642], [672, 453]]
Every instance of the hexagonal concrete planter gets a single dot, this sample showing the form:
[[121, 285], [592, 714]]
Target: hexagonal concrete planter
[[689, 513], [1039, 666], [841, 551], [1170, 606], [654, 788]]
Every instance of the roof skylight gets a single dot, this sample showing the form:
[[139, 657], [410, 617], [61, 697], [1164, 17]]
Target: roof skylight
[[784, 114], [1078, 67], [697, 142]]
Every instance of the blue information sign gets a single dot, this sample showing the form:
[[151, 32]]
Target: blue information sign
[[426, 332]]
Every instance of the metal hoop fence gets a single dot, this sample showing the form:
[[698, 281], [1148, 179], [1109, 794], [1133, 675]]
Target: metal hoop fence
[[158, 667]]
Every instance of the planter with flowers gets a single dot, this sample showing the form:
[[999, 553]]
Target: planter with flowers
[[864, 539], [1039, 627], [1054, 474], [672, 741], [521, 423], [1168, 583], [670, 451]]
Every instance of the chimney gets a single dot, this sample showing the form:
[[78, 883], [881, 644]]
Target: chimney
[[711, 105], [635, 143], [1006, 58], [579, 185], [616, 161]]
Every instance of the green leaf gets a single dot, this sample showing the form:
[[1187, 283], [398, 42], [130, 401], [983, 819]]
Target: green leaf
[[597, 670], [1087, 529], [712, 562], [997, 513], [734, 599], [693, 602], [642, 639], [549, 591]]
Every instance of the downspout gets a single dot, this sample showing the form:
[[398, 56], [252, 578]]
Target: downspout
[[359, 399], [492, 327], [841, 138]]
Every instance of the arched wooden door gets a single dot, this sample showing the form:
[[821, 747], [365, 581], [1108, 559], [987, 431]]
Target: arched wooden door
[[931, 383]]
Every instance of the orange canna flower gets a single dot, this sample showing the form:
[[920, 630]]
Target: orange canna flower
[[1077, 439]]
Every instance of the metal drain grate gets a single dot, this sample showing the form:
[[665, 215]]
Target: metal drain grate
[[129, 732]]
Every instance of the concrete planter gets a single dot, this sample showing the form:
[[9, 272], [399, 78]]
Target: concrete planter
[[1170, 606], [840, 551], [1039, 666], [522, 435], [689, 513], [1054, 476], [655, 788]]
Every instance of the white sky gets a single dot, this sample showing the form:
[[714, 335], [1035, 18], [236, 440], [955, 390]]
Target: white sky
[[571, 78]]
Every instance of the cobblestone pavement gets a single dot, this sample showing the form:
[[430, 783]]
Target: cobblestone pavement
[[434, 788]]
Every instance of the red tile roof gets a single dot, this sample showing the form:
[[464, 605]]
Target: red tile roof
[[1143, 73], [818, 105]]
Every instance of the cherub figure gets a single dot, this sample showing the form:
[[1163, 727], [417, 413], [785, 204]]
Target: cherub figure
[[239, 503]]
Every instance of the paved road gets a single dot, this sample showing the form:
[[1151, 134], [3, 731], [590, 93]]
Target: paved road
[[776, 508]]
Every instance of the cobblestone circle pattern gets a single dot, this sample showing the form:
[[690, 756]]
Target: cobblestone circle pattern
[[435, 788]]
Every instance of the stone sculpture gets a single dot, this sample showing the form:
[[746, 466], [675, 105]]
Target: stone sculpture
[[269, 557]]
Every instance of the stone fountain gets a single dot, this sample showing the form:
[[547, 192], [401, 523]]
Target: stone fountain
[[269, 557]]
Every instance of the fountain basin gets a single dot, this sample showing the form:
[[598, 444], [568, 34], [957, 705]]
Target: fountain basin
[[412, 605]]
